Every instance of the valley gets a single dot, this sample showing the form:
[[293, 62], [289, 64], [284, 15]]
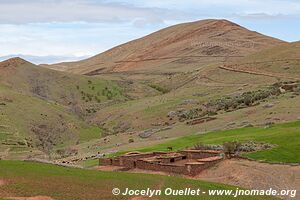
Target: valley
[[201, 83]]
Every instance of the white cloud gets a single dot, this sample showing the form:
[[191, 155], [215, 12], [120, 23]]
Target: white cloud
[[147, 12], [76, 10], [65, 39]]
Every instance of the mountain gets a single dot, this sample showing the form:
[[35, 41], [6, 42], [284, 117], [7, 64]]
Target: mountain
[[177, 48], [44, 59], [45, 112]]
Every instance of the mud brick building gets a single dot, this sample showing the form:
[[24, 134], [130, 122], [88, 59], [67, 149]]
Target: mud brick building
[[187, 162]]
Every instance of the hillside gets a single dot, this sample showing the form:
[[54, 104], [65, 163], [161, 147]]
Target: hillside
[[45, 112], [51, 85], [177, 48], [279, 61], [73, 117], [27, 179]]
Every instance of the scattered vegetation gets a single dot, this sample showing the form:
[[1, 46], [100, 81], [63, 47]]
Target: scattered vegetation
[[47, 136], [244, 100], [159, 88], [67, 152], [238, 101], [202, 146]]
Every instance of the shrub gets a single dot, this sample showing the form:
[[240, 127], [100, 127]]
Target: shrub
[[231, 148], [159, 88], [131, 140], [200, 146]]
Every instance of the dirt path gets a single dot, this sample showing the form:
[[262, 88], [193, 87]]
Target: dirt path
[[254, 175], [233, 69]]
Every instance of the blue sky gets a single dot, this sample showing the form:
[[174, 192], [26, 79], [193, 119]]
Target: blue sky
[[47, 31]]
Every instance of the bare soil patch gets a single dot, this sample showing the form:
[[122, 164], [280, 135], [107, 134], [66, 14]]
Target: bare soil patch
[[110, 168], [243, 173], [2, 182], [254, 175]]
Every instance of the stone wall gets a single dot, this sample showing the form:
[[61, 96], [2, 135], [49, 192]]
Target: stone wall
[[171, 159], [194, 169], [130, 163], [130, 160], [116, 162], [199, 154], [179, 169], [105, 161], [198, 161]]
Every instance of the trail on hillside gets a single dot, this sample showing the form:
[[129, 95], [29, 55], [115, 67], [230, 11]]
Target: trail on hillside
[[247, 71]]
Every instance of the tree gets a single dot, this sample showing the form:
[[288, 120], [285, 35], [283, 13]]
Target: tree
[[231, 148]]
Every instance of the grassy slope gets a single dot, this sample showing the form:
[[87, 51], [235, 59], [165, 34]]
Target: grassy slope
[[282, 59], [31, 96], [50, 85], [285, 136], [142, 113], [32, 179], [18, 116]]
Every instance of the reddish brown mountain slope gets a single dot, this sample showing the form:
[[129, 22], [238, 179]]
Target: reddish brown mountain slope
[[177, 48]]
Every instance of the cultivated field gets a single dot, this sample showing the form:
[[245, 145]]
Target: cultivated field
[[33, 179]]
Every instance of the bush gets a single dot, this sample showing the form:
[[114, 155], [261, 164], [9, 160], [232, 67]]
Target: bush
[[131, 140], [231, 148], [201, 146], [159, 88]]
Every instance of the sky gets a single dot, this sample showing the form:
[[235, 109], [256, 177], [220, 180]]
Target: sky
[[49, 31]]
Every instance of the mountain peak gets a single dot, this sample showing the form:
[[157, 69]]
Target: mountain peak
[[224, 23], [16, 61], [176, 48]]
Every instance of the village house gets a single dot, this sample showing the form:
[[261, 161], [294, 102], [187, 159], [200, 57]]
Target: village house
[[186, 162]]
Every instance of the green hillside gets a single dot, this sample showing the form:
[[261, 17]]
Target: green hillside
[[44, 112], [286, 137], [26, 179]]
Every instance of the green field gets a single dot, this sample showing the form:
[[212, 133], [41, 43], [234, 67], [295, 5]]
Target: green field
[[286, 137], [33, 179]]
